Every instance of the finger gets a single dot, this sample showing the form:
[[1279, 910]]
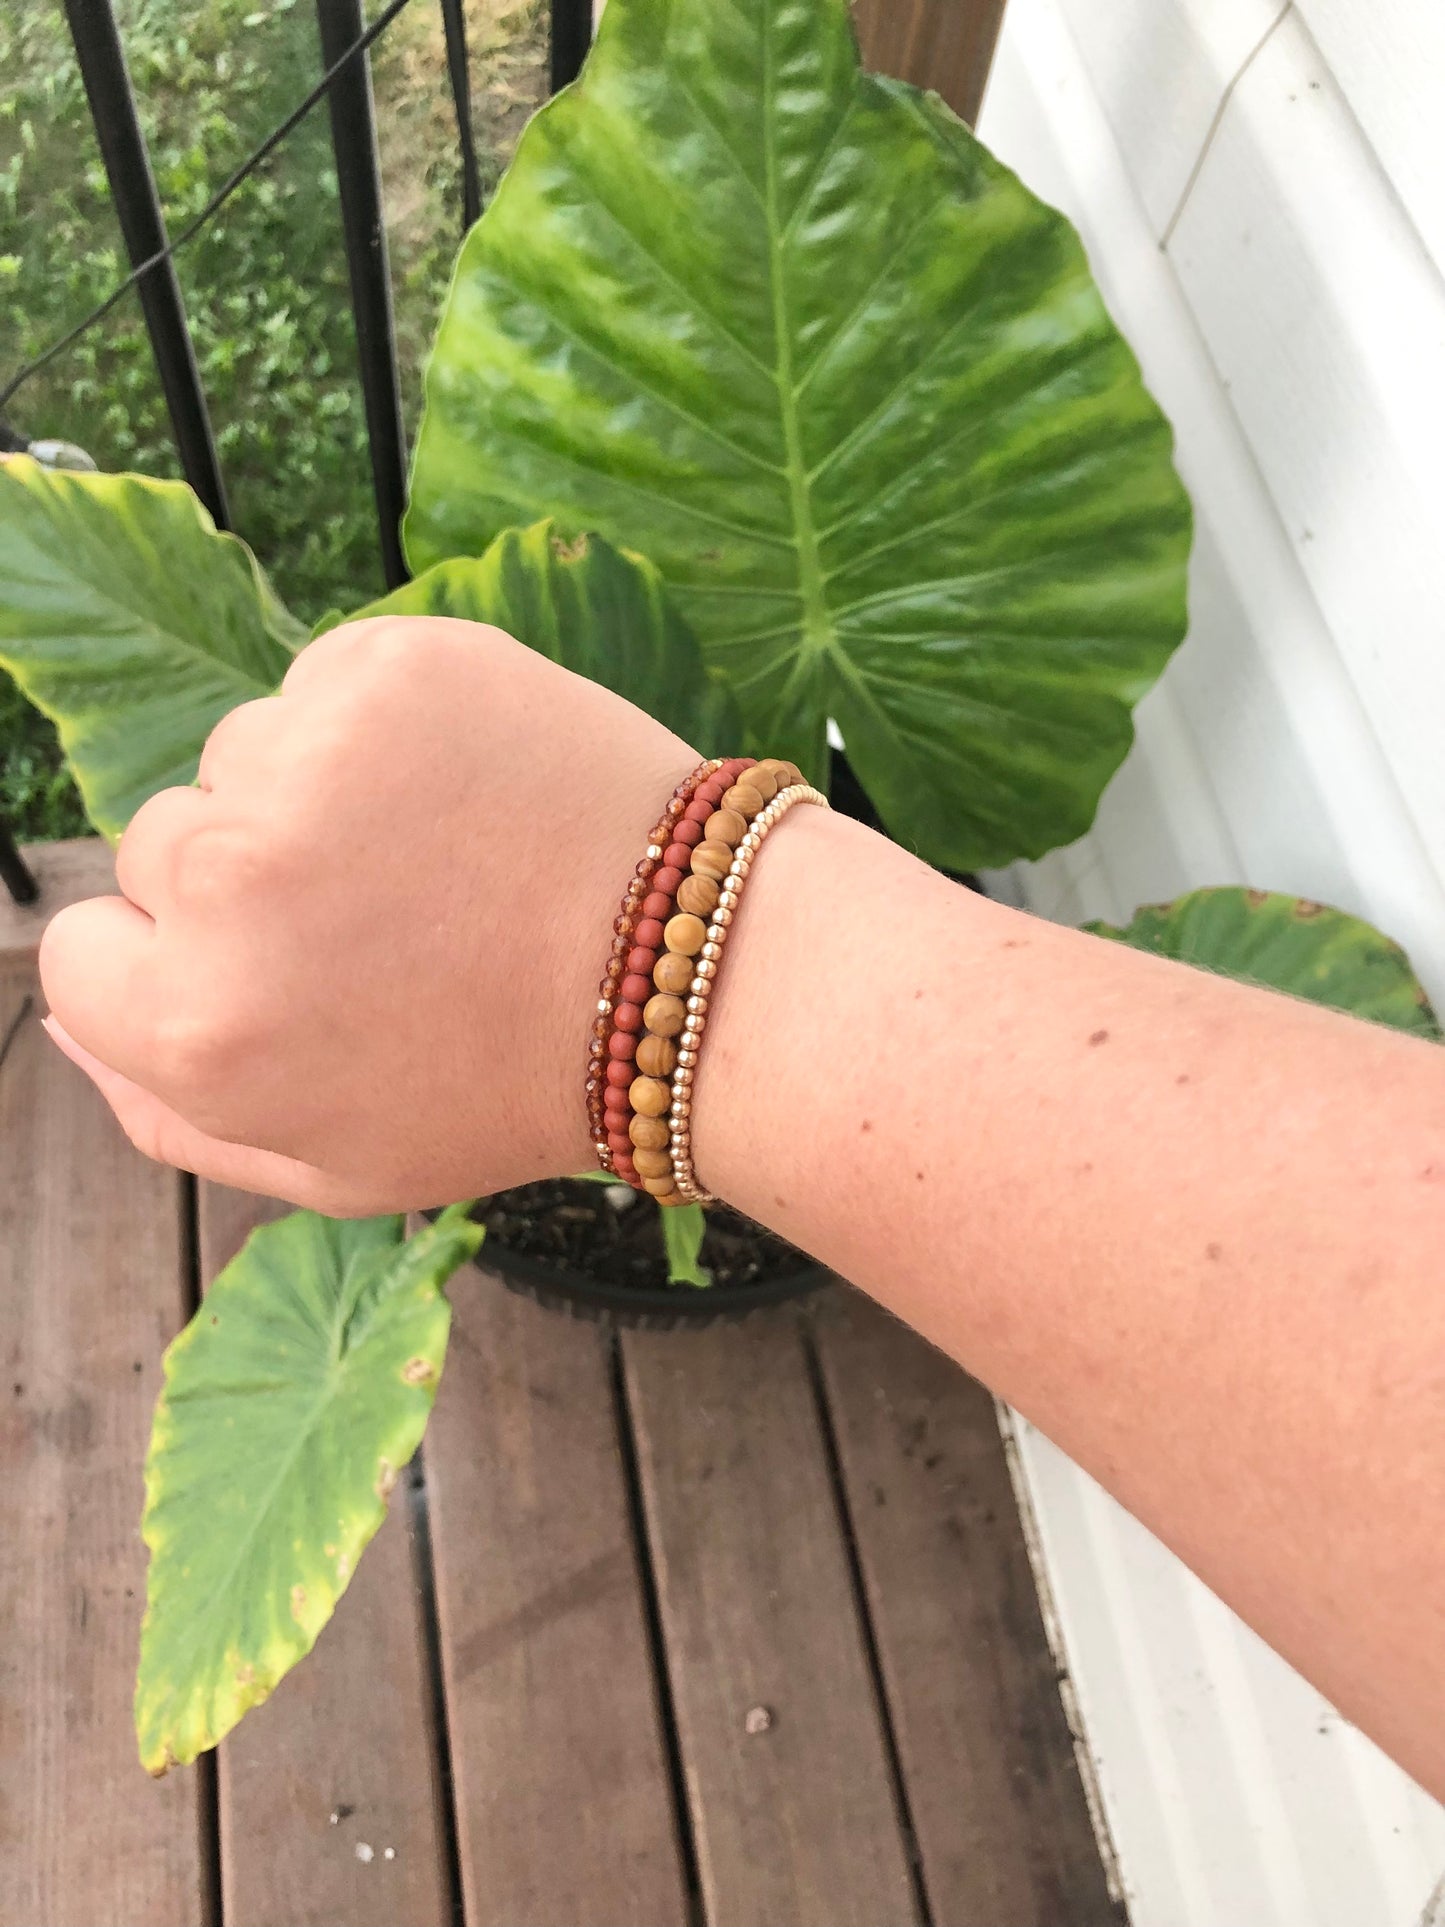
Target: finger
[[145, 862], [247, 739], [164, 1135], [98, 970]]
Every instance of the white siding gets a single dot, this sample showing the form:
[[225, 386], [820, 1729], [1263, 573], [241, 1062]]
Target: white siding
[[1265, 212]]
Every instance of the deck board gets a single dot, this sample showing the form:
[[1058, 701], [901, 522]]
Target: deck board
[[796, 1824], [564, 1802], [987, 1757], [91, 1289], [350, 1732]]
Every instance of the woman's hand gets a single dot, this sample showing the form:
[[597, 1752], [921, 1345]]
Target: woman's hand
[[355, 966]]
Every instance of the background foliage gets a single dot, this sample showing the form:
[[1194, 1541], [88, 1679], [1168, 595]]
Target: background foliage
[[265, 284]]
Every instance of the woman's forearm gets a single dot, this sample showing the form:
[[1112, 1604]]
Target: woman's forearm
[[1195, 1231]]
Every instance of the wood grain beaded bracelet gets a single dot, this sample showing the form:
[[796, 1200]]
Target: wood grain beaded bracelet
[[667, 944]]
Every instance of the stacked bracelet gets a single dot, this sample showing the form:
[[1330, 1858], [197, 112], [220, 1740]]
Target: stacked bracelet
[[667, 943]]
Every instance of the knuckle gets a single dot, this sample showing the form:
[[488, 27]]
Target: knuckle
[[226, 864]]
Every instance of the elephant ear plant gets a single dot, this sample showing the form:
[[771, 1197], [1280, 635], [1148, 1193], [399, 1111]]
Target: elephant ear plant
[[765, 396]]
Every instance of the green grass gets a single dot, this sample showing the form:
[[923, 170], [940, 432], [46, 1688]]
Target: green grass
[[265, 284]]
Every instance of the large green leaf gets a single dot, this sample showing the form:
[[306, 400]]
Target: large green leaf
[[127, 618], [598, 610], [291, 1401], [1290, 944], [790, 329]]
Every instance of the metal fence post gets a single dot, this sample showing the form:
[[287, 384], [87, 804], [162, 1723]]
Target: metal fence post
[[571, 37], [15, 874], [137, 205], [454, 22], [358, 171]]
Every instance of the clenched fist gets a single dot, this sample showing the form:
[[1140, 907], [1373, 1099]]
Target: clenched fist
[[356, 965]]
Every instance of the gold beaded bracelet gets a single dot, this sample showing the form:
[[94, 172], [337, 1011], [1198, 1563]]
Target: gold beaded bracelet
[[700, 990]]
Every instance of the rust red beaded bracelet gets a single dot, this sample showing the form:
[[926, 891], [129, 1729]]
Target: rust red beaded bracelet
[[667, 943]]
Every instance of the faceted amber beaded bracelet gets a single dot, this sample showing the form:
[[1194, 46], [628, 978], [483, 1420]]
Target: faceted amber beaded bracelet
[[649, 1027]]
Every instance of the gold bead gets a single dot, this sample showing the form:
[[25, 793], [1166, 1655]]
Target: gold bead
[[696, 1006], [686, 1059], [712, 950], [685, 934], [707, 970], [723, 915], [663, 1014], [654, 850]]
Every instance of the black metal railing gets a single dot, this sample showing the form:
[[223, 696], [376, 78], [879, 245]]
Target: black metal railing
[[346, 85]]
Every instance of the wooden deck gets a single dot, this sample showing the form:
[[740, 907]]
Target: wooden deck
[[735, 1627]]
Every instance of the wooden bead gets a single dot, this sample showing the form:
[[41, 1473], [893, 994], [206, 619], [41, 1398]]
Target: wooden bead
[[672, 973], [650, 1096], [699, 895], [726, 826], [663, 1189], [757, 778], [712, 860], [663, 1015], [653, 1164], [648, 1133], [747, 802], [657, 1056], [686, 934], [791, 777]]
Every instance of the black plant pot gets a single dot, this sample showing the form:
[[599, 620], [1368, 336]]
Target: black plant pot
[[654, 1308], [564, 1288]]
